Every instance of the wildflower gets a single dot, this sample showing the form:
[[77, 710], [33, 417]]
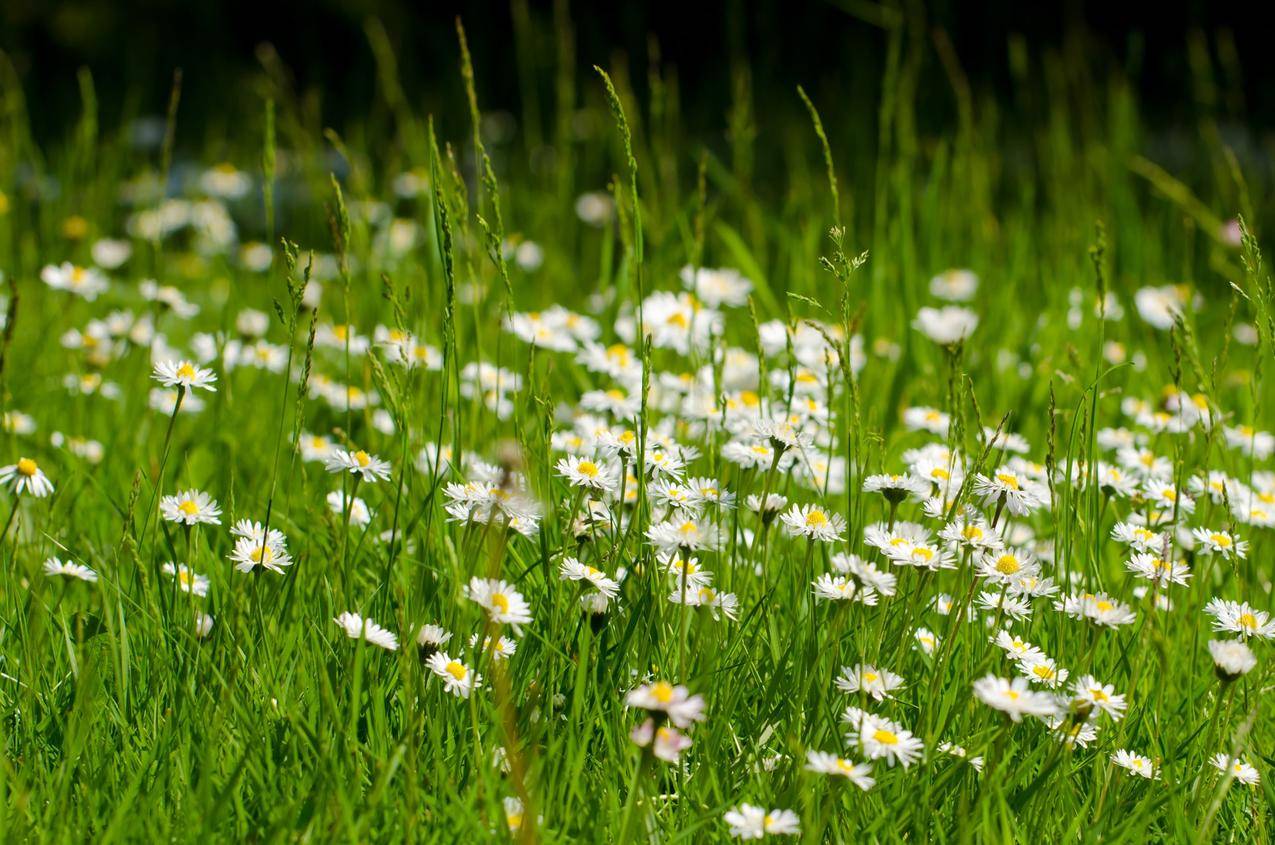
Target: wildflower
[[719, 603], [877, 683], [926, 640], [716, 287], [360, 515], [572, 570], [1019, 494], [749, 822], [1135, 763], [838, 588], [1219, 543], [1240, 618], [896, 488], [676, 702], [1089, 690], [1043, 670], [54, 567], [1017, 648], [666, 743], [458, 679], [1236, 767], [1231, 658], [184, 374], [860, 774], [948, 325], [190, 507], [360, 463], [188, 581], [1013, 697], [879, 737], [1099, 608], [255, 547], [927, 419], [504, 604], [1161, 572], [357, 627], [1138, 537], [954, 285], [813, 522], [85, 282], [26, 477]]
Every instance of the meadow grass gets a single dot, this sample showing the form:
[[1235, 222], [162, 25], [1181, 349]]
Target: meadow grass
[[1121, 300]]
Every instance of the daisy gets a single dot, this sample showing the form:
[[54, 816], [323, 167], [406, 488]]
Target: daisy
[[666, 743], [1102, 696], [54, 567], [26, 476], [430, 638], [1016, 648], [838, 588], [860, 774], [184, 374], [1043, 670], [1231, 658], [1219, 543], [1013, 697], [1162, 572], [360, 515], [684, 533], [188, 581], [1005, 604], [255, 550], [86, 282], [1099, 608], [501, 648], [676, 702], [360, 463], [896, 488], [719, 603], [1019, 494], [927, 419], [926, 640], [1135, 763], [1240, 618], [504, 604], [190, 507], [878, 683], [716, 287], [749, 822], [573, 570], [948, 325], [582, 472], [879, 737], [458, 679], [814, 522], [1236, 767], [1139, 537], [357, 627]]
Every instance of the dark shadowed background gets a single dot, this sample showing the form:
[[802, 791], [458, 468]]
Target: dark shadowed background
[[836, 49]]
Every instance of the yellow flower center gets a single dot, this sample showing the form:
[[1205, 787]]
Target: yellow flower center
[[1220, 540], [185, 370], [1247, 620], [870, 677], [1007, 564], [1104, 606], [816, 517], [588, 468], [500, 601], [457, 670], [885, 737], [662, 691], [188, 507], [362, 458], [27, 467], [1008, 479]]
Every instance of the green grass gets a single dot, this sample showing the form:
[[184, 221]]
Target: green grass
[[120, 724]]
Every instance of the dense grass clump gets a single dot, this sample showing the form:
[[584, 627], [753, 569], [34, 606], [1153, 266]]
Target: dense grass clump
[[426, 481]]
